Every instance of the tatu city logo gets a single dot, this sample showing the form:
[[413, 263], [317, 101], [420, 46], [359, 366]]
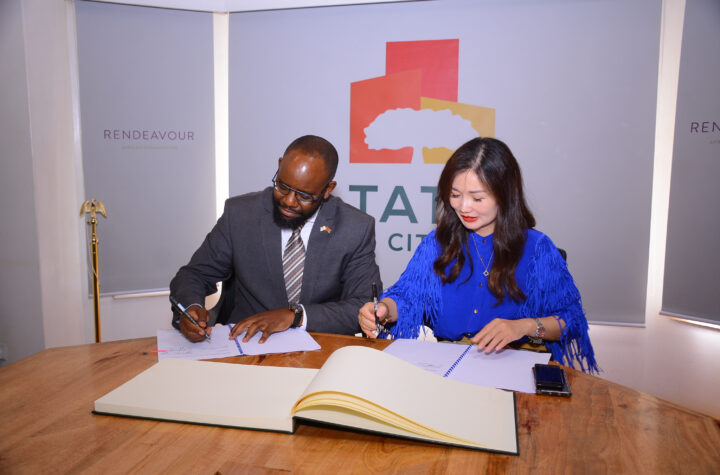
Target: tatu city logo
[[414, 107], [410, 116]]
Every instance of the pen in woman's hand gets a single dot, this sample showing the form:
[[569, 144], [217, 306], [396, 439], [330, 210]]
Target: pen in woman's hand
[[380, 326]]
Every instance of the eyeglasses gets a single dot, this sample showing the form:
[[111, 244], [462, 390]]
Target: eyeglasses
[[301, 196]]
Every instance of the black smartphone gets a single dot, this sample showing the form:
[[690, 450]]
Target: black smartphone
[[550, 379]]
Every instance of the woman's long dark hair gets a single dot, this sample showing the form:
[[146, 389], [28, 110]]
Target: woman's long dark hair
[[497, 169]]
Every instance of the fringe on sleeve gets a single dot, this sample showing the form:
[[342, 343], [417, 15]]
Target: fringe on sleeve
[[552, 292], [417, 291]]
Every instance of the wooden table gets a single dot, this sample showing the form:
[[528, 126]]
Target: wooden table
[[46, 426]]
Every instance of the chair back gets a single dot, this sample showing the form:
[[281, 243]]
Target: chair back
[[563, 253]]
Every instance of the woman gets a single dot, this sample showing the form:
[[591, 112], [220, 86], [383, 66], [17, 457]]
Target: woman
[[485, 273]]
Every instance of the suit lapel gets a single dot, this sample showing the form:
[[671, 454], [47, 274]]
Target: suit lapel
[[270, 233], [320, 236]]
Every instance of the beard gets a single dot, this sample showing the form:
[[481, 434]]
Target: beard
[[284, 223]]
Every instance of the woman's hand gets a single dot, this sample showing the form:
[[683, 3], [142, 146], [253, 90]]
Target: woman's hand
[[498, 333], [366, 317]]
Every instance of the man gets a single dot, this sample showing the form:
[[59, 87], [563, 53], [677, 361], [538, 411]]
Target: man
[[290, 255]]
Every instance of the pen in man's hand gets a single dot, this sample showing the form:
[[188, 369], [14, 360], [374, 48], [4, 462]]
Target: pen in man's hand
[[380, 326], [178, 306]]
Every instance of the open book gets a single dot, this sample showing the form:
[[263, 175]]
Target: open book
[[358, 388]]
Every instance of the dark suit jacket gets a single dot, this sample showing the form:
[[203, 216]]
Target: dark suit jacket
[[244, 249]]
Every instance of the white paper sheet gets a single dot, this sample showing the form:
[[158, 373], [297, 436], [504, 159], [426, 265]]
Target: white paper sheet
[[292, 339], [506, 369], [172, 344]]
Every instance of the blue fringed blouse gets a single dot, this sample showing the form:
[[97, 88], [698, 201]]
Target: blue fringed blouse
[[465, 306]]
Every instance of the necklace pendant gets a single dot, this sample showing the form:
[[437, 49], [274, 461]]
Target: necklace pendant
[[486, 273]]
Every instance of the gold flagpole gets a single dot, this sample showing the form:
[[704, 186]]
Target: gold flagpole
[[94, 206]]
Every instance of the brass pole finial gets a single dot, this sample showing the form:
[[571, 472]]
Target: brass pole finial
[[93, 207]]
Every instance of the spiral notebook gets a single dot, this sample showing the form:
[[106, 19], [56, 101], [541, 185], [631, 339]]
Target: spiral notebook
[[506, 369]]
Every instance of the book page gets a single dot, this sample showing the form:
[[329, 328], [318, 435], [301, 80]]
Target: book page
[[507, 369], [437, 358], [205, 392], [414, 399]]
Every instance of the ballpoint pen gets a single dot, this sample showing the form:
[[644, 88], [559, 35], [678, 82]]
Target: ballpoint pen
[[178, 306], [380, 326]]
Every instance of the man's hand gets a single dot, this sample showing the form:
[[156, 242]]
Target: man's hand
[[192, 332], [269, 322]]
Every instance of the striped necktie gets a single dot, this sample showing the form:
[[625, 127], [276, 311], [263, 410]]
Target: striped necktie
[[293, 263]]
